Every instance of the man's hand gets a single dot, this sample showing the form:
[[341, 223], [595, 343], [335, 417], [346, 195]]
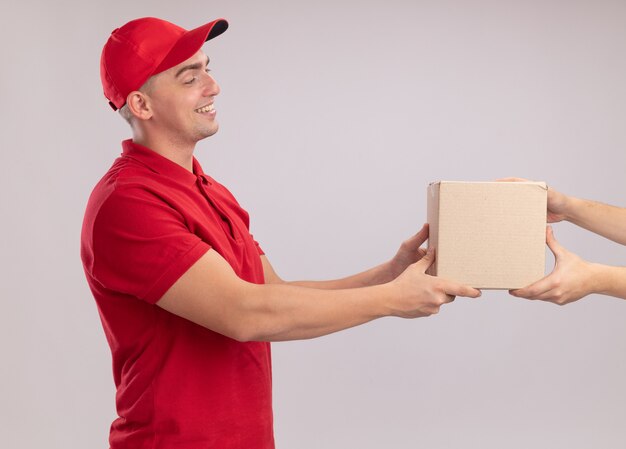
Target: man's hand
[[571, 279], [417, 294], [409, 252]]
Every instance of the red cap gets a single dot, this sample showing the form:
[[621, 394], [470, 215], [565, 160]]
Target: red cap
[[144, 47]]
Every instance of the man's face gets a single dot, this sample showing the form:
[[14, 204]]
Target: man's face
[[182, 100]]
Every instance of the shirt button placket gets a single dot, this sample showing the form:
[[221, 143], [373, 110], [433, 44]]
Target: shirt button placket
[[204, 185]]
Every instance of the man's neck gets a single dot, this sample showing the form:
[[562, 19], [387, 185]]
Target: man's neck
[[177, 152]]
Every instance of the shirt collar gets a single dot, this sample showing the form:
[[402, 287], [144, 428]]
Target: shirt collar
[[162, 165]]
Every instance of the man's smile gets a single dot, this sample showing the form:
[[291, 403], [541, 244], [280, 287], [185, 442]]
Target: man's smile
[[206, 109]]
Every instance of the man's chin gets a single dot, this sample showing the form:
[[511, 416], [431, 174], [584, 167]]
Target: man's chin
[[208, 132]]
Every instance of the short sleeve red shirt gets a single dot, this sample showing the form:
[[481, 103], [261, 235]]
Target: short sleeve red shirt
[[179, 385]]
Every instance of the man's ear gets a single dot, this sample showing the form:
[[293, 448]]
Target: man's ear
[[139, 105]]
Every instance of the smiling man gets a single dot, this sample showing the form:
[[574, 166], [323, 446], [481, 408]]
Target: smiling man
[[187, 298]]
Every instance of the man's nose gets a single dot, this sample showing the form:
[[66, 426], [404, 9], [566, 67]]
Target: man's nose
[[211, 88]]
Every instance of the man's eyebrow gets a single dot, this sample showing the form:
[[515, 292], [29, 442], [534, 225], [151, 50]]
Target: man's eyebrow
[[196, 66]]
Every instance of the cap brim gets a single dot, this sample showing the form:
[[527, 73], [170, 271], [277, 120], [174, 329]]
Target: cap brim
[[190, 43]]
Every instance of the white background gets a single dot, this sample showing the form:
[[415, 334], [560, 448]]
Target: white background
[[335, 115]]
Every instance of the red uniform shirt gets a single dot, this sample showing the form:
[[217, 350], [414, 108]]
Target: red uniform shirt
[[179, 385]]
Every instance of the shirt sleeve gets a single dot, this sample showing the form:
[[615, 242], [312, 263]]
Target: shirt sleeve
[[257, 246], [141, 244]]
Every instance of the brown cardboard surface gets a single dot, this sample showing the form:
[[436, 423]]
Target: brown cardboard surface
[[488, 235]]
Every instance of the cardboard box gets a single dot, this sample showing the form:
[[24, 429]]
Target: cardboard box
[[488, 235]]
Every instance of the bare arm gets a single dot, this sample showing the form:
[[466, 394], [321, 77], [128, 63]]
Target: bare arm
[[603, 219], [574, 278], [210, 294], [374, 276], [409, 253]]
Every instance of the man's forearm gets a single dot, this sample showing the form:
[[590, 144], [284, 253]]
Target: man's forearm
[[603, 219], [280, 312], [380, 274]]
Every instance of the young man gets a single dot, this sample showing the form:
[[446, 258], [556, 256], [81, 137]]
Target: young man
[[574, 278], [187, 298]]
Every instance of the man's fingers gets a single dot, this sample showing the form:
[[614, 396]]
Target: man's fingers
[[426, 261], [420, 237], [440, 301], [510, 179], [454, 289]]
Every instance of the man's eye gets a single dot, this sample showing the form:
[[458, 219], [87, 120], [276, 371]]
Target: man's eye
[[207, 70], [191, 80]]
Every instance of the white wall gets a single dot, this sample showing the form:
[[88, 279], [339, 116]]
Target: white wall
[[334, 117]]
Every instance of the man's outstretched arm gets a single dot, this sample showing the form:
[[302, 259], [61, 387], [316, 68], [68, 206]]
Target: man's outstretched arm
[[212, 295], [409, 252]]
